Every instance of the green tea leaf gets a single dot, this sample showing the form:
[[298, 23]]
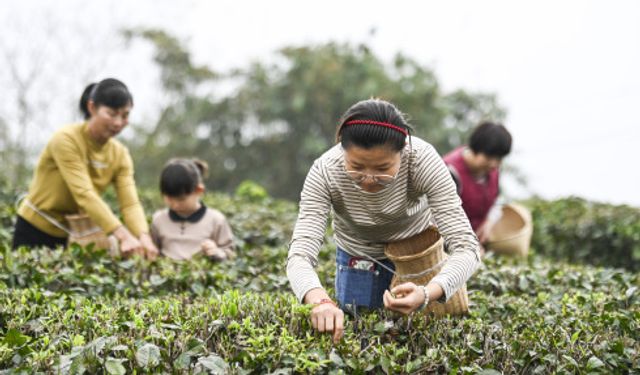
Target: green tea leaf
[[214, 363], [114, 367], [489, 371], [148, 356], [15, 338], [336, 359], [594, 363], [630, 292]]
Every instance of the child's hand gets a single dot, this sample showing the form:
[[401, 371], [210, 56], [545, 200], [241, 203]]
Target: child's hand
[[208, 247], [211, 249]]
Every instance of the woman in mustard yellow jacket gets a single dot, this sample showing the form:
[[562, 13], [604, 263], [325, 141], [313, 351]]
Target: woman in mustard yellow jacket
[[79, 162]]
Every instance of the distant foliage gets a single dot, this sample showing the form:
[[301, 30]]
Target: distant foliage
[[577, 230], [280, 116], [252, 191]]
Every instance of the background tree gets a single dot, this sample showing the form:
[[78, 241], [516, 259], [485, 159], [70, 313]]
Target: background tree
[[45, 69], [278, 117]]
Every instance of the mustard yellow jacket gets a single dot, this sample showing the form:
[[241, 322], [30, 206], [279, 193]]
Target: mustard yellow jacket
[[72, 173]]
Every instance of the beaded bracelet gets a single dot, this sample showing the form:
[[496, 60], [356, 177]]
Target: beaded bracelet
[[426, 297]]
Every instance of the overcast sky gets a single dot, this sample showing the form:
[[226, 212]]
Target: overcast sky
[[567, 71]]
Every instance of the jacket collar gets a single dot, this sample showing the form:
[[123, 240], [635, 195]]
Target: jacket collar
[[193, 218]]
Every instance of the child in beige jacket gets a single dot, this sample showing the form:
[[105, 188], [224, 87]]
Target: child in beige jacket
[[187, 227]]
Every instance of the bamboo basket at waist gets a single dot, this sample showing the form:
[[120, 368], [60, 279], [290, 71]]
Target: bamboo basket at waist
[[84, 232], [512, 233], [425, 252]]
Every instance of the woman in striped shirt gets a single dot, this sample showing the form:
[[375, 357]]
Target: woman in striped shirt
[[381, 185]]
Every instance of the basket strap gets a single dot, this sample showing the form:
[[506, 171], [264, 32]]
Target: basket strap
[[367, 256], [55, 222], [405, 276], [401, 277], [420, 274]]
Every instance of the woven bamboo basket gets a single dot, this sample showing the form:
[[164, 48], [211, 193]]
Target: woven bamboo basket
[[85, 231], [421, 252], [512, 233]]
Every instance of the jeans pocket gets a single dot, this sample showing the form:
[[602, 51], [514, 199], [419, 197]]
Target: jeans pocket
[[357, 288]]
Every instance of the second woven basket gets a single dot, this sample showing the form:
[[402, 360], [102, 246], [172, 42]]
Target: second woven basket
[[415, 255], [512, 233], [86, 232]]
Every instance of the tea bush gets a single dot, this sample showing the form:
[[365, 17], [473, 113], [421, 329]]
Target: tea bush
[[76, 310], [577, 230]]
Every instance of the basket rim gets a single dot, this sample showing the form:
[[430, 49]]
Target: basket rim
[[526, 230], [520, 209], [404, 258]]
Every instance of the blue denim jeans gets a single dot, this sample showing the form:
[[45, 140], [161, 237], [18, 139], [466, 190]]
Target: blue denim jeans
[[358, 288]]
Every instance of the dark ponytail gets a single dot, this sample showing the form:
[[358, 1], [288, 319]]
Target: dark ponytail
[[109, 92], [373, 122], [181, 176], [203, 167]]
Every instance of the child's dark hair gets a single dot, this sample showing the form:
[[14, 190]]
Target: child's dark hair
[[182, 176], [491, 139], [109, 92], [373, 122]]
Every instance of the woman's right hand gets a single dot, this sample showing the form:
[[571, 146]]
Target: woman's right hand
[[128, 243], [326, 316], [131, 246]]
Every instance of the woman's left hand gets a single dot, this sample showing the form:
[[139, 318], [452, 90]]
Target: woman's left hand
[[408, 298], [483, 232], [151, 251]]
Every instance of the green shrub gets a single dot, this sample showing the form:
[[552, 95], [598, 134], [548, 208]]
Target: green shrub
[[252, 191], [76, 310], [577, 230]]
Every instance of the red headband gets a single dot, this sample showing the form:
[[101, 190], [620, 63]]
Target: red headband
[[385, 124]]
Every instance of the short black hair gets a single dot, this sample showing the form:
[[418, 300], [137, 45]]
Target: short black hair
[[491, 139], [372, 135], [181, 176], [109, 92]]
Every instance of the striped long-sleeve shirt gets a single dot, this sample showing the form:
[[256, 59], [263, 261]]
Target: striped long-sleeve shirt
[[422, 194]]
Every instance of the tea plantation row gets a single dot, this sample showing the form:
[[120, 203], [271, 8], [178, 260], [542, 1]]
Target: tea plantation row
[[76, 310]]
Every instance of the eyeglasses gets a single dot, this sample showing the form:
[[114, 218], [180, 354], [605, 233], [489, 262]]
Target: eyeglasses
[[380, 179]]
